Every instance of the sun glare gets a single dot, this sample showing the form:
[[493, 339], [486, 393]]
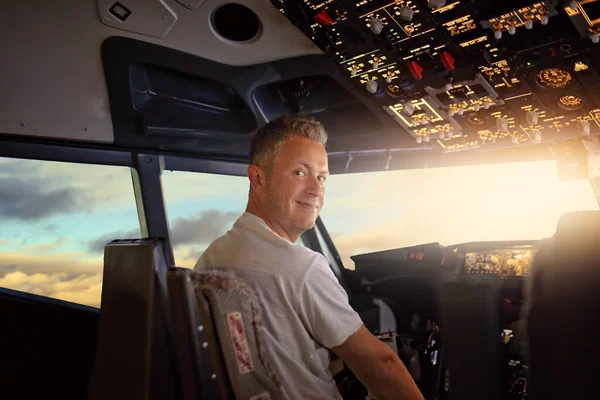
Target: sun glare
[[394, 209]]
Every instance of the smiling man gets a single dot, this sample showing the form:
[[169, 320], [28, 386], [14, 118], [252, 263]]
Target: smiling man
[[306, 311]]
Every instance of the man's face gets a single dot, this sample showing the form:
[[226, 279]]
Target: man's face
[[294, 194]]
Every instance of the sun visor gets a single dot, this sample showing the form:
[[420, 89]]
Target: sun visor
[[168, 100], [170, 104]]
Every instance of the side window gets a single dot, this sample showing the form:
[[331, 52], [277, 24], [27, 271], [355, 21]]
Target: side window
[[201, 207], [55, 220]]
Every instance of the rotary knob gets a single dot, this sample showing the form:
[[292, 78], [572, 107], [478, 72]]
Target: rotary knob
[[372, 86], [407, 13], [435, 4], [376, 25], [529, 24], [532, 118]]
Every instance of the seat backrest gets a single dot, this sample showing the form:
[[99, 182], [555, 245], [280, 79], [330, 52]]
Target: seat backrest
[[173, 333], [563, 319], [133, 357], [228, 312], [470, 327]]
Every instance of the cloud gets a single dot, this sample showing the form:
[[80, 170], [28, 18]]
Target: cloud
[[44, 247], [192, 186], [31, 199], [203, 227], [187, 232], [186, 256], [11, 167], [193, 234], [66, 276], [82, 289], [73, 264], [90, 187], [50, 227], [97, 245], [5, 269]]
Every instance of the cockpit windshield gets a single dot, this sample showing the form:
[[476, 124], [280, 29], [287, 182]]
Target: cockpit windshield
[[375, 211]]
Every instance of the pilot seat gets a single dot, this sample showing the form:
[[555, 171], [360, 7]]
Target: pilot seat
[[173, 333]]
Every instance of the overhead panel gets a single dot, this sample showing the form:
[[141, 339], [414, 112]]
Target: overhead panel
[[475, 76]]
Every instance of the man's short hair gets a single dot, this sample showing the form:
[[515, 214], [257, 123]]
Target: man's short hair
[[268, 140]]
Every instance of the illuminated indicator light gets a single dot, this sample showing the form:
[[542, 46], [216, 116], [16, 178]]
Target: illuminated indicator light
[[579, 66]]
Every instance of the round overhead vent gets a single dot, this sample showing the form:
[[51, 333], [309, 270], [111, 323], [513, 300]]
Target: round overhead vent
[[235, 23]]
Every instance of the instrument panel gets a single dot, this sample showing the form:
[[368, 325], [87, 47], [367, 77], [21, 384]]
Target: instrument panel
[[466, 75], [509, 262]]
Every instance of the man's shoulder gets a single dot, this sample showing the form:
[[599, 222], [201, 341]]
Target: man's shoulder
[[305, 254], [218, 249], [258, 245]]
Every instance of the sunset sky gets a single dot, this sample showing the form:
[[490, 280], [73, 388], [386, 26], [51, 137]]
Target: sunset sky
[[56, 217]]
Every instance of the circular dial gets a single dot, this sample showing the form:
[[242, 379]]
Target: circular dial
[[393, 90], [475, 120], [570, 102], [554, 78]]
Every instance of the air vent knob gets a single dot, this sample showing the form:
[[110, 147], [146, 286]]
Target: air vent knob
[[435, 4], [532, 118], [376, 25], [372, 86]]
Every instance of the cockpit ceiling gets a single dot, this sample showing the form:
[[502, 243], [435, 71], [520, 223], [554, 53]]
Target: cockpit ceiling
[[51, 72], [397, 83]]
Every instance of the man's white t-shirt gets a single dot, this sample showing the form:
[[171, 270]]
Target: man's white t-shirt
[[305, 310]]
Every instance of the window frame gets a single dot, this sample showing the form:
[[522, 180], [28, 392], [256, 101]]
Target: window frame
[[146, 168]]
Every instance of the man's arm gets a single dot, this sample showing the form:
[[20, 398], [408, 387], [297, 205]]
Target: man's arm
[[378, 367]]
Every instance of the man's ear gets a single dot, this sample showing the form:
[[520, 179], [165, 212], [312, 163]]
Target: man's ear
[[257, 178]]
